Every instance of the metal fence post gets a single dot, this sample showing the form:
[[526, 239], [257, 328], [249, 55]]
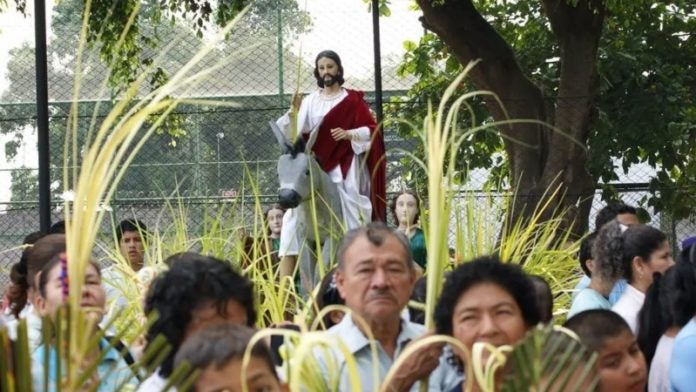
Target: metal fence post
[[42, 115], [378, 61]]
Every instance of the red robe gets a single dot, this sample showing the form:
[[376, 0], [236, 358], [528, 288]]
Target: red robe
[[352, 112]]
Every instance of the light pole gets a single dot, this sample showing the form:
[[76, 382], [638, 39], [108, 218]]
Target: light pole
[[219, 136]]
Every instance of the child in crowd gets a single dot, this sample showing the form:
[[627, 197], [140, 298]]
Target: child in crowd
[[328, 295], [544, 298], [37, 256], [670, 302], [620, 362], [645, 251], [218, 351], [606, 269]]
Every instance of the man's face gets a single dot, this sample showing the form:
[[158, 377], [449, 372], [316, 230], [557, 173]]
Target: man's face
[[628, 219], [131, 246], [328, 71], [376, 281]]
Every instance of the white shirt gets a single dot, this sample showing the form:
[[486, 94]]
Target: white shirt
[[33, 326], [629, 305], [658, 381], [154, 383]]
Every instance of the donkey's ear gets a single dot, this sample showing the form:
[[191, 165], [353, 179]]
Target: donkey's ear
[[285, 145], [299, 146]]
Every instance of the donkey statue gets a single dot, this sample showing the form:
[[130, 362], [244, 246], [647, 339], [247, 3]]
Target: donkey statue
[[316, 204]]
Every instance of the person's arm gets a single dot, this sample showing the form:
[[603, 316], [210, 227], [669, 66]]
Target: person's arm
[[417, 366]]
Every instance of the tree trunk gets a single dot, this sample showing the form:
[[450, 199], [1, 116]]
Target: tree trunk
[[540, 158]]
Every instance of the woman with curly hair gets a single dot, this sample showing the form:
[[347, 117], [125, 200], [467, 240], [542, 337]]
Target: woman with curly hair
[[606, 269], [196, 291], [487, 301]]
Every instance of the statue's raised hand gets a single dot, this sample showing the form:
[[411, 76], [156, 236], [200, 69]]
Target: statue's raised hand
[[296, 102]]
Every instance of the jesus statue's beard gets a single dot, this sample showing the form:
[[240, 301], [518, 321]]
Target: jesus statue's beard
[[330, 80]]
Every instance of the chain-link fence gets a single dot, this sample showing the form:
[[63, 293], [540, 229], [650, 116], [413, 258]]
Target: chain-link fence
[[214, 151]]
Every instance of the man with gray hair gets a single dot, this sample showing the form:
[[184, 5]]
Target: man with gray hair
[[375, 277]]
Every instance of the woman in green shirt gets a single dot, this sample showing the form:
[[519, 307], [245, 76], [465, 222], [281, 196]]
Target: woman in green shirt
[[405, 208]]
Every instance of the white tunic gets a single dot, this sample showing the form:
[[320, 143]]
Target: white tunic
[[354, 190]]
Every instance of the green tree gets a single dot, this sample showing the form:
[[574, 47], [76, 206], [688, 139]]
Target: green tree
[[25, 185], [614, 78], [184, 155]]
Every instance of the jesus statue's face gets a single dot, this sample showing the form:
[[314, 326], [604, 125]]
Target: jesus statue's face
[[328, 71]]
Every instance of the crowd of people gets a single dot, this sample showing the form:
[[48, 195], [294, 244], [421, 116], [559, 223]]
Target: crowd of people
[[635, 307], [644, 334]]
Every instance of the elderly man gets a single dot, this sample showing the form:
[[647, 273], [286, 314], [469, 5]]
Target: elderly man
[[375, 277]]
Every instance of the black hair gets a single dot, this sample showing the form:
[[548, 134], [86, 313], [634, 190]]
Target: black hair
[[611, 211], [135, 225], [57, 228], [328, 295], [375, 232], [608, 250], [18, 291], [219, 344], [594, 327], [585, 252], [688, 254], [392, 205], [191, 280], [329, 54], [640, 240], [544, 298], [670, 301], [486, 269], [419, 294]]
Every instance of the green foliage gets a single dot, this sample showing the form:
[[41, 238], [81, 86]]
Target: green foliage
[[646, 64], [435, 69], [185, 150], [25, 184], [550, 359]]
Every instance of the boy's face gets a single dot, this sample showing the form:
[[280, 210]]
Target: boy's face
[[621, 365], [259, 377]]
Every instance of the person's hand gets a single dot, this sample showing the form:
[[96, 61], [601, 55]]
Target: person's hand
[[296, 102], [417, 366], [340, 134]]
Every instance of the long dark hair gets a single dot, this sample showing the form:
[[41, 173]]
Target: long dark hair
[[670, 301], [640, 240], [17, 293]]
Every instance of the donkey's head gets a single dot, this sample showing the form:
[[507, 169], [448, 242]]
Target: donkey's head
[[294, 175]]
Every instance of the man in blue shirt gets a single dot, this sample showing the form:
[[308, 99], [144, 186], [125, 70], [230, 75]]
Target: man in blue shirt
[[375, 277]]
